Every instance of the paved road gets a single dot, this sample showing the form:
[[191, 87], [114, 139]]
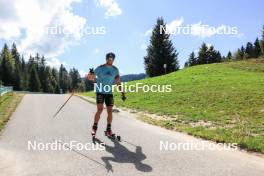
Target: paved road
[[32, 121]]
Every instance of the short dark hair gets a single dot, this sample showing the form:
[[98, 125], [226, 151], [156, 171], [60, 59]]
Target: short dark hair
[[108, 55]]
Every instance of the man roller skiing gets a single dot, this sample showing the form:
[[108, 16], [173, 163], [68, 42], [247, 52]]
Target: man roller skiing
[[105, 76]]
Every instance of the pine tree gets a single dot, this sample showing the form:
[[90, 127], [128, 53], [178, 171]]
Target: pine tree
[[23, 64], [239, 55], [18, 68], [249, 50], [229, 55], [75, 79], [218, 57], [48, 82], [262, 41], [24, 82], [37, 62], [64, 80], [242, 52], [55, 80], [211, 53], [31, 62], [160, 52], [42, 73], [192, 60], [34, 83], [16, 55], [203, 54], [214, 56], [257, 48], [7, 66]]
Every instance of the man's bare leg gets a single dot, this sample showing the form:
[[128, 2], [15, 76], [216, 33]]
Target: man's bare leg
[[109, 119], [109, 114], [100, 108]]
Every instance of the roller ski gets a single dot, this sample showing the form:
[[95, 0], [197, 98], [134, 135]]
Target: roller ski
[[112, 136], [93, 133]]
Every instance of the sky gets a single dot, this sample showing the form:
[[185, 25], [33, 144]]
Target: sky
[[78, 33]]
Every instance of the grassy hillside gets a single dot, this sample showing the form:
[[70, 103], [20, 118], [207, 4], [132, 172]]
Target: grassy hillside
[[221, 102]]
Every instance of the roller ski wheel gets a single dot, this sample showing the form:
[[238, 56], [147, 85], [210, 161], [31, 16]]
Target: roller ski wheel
[[113, 136]]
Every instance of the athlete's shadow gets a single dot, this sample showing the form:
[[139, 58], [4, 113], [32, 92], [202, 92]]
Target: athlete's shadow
[[122, 155]]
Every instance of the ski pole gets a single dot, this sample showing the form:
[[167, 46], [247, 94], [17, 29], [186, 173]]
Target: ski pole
[[63, 105]]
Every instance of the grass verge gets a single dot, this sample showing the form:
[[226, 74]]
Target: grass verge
[[8, 104]]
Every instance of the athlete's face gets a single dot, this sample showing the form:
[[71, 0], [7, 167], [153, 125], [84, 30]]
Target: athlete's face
[[109, 61]]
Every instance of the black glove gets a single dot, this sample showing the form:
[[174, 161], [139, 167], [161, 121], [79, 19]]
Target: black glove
[[91, 70], [123, 97]]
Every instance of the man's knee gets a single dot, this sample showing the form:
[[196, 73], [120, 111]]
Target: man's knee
[[109, 109], [100, 109]]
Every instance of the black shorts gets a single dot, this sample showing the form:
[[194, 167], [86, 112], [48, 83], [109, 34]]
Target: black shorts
[[108, 99]]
